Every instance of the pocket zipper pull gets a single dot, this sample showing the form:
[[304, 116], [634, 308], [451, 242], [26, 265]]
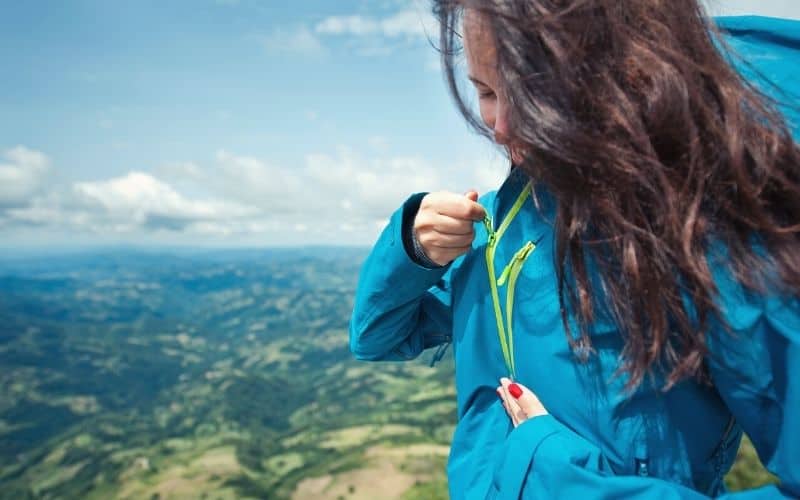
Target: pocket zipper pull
[[520, 256], [642, 467]]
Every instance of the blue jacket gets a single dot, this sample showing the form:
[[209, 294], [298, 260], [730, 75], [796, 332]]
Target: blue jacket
[[598, 441]]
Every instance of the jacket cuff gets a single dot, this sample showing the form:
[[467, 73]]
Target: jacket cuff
[[390, 268], [411, 244], [520, 447], [542, 440]]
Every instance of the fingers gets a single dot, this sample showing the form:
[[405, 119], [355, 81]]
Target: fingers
[[435, 239], [519, 402], [512, 411], [454, 205], [444, 224], [475, 212], [528, 402], [512, 405]]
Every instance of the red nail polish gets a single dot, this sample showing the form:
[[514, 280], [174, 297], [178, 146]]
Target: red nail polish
[[514, 390]]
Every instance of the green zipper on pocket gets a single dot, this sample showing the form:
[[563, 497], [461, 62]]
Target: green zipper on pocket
[[510, 273], [515, 267]]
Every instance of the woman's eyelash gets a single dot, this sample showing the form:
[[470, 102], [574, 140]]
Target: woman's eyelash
[[486, 93]]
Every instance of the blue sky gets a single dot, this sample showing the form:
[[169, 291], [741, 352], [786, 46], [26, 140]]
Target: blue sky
[[228, 122]]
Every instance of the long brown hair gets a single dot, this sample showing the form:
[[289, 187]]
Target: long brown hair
[[655, 148]]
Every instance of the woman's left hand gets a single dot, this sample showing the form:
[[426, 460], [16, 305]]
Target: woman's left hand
[[519, 401]]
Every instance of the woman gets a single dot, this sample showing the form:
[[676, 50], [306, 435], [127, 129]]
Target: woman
[[637, 274]]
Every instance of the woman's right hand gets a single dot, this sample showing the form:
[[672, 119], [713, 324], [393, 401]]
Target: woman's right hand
[[444, 224]]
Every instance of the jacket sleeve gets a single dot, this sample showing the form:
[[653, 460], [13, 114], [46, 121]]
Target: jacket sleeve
[[401, 307], [756, 368]]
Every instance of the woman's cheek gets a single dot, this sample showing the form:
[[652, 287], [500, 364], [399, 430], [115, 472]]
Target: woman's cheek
[[488, 112]]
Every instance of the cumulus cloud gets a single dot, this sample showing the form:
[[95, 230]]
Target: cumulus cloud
[[370, 187], [351, 25], [256, 181], [23, 174], [140, 200], [299, 40], [337, 197], [380, 36], [137, 202], [321, 193], [409, 23]]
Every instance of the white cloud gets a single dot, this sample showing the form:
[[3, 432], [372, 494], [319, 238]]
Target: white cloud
[[348, 25], [338, 197], [299, 40], [22, 175], [490, 175], [372, 36], [409, 23], [134, 203], [344, 187], [372, 187], [255, 181], [140, 198]]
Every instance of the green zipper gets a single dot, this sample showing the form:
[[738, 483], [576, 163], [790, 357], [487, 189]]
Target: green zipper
[[510, 275]]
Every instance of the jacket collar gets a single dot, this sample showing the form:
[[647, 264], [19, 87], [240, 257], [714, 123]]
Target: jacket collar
[[508, 192], [512, 186]]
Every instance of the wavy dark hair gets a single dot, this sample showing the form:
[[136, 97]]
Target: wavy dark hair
[[654, 147]]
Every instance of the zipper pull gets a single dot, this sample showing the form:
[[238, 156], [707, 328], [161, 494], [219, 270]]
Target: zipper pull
[[642, 467], [520, 256], [506, 272], [487, 223]]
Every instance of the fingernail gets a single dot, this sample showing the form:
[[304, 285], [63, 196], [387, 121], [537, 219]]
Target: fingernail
[[499, 393], [514, 390]]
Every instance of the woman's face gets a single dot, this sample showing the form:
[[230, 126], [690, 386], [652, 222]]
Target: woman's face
[[482, 64]]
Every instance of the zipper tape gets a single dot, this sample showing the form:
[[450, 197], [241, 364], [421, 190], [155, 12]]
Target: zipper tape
[[510, 274]]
